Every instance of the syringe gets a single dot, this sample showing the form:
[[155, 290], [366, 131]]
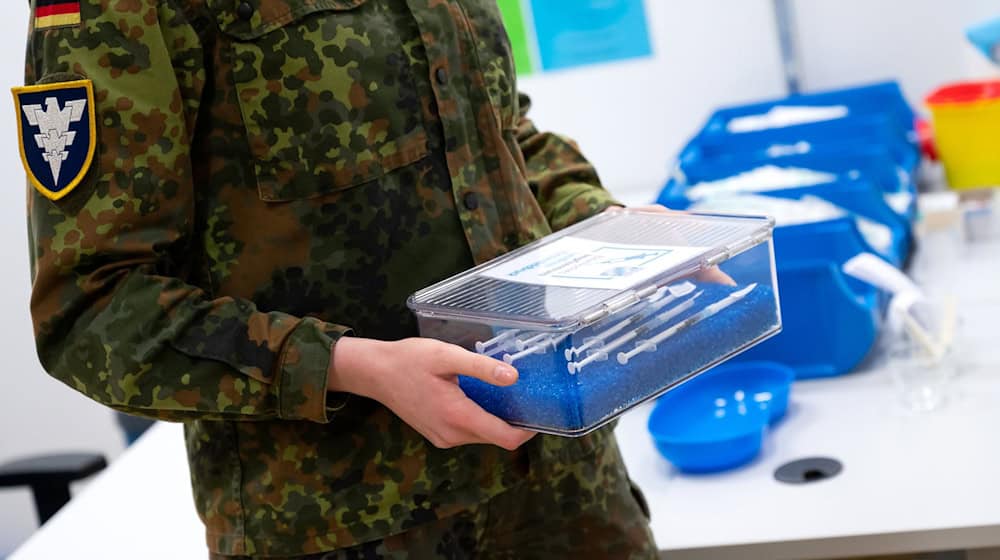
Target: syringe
[[531, 341], [673, 294], [483, 346], [602, 354], [538, 348], [651, 343]]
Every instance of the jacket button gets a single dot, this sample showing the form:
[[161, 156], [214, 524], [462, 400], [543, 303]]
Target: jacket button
[[471, 201], [441, 76], [244, 11]]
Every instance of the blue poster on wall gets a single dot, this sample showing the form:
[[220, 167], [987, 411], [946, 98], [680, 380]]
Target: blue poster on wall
[[589, 31]]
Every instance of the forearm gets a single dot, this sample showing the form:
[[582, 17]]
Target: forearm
[[158, 347], [566, 185]]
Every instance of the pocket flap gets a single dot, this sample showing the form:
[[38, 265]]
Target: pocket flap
[[250, 19]]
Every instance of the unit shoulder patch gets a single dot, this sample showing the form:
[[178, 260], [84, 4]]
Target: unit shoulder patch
[[57, 134]]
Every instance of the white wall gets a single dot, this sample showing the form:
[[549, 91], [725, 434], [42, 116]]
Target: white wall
[[37, 414], [919, 42], [630, 119]]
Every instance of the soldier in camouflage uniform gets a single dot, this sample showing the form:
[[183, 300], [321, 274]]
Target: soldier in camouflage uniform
[[268, 177]]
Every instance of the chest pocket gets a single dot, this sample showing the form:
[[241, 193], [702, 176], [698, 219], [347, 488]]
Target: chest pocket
[[326, 92]]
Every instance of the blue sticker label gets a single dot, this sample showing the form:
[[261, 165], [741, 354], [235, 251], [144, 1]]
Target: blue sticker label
[[590, 31], [57, 135]]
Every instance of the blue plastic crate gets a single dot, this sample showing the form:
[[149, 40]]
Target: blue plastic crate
[[847, 160], [748, 147], [874, 141], [860, 197], [831, 320], [882, 98]]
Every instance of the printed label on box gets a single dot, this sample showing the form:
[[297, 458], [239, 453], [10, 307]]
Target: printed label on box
[[582, 263]]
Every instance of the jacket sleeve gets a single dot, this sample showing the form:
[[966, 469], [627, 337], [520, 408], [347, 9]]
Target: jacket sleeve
[[564, 182], [113, 315]]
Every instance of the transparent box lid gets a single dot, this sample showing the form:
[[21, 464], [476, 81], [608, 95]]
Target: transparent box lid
[[588, 271]]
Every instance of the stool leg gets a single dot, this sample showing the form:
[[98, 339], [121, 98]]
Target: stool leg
[[49, 499]]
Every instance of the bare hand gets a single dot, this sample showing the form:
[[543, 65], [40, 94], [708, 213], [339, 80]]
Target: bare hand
[[417, 379]]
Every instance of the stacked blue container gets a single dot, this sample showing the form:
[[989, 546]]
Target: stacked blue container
[[862, 141]]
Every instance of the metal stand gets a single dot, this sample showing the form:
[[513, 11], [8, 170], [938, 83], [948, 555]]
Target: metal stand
[[784, 15]]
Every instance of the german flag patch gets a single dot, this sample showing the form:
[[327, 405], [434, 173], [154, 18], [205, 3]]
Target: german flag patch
[[56, 13]]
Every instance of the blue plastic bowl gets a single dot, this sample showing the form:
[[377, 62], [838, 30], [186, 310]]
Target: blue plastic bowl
[[716, 421]]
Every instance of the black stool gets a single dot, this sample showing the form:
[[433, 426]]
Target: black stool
[[49, 477]]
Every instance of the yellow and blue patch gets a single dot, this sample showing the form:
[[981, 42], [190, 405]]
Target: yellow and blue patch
[[57, 134]]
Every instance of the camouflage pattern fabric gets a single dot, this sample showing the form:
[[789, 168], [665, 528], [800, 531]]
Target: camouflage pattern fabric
[[583, 511], [272, 175]]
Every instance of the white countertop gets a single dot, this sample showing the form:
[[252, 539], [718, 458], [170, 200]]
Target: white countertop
[[910, 482], [141, 506]]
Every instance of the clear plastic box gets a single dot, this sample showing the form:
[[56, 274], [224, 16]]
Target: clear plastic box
[[608, 313]]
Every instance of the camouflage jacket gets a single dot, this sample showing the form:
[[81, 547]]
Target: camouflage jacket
[[271, 175]]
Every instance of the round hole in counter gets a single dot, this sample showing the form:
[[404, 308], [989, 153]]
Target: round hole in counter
[[813, 469]]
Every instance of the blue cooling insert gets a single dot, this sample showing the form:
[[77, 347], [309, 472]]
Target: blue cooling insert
[[547, 396]]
